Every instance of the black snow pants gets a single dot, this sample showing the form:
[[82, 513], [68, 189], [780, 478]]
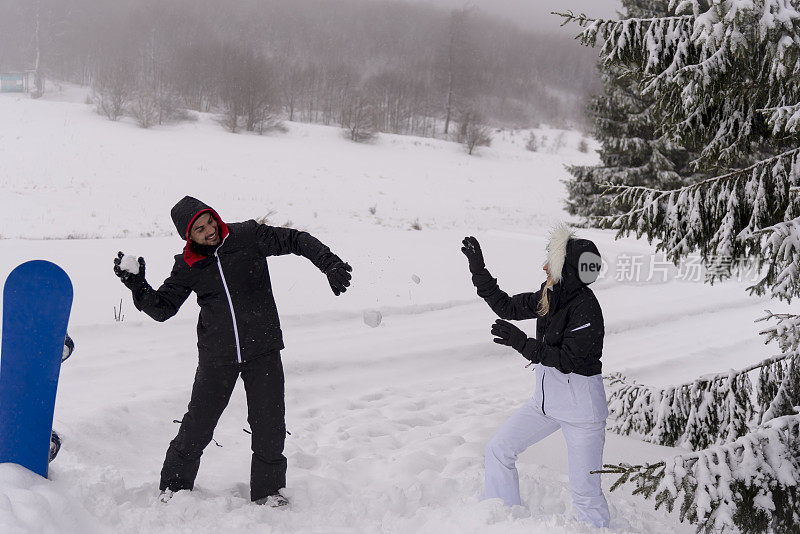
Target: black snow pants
[[263, 383]]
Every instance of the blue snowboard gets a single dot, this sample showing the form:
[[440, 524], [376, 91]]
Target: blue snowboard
[[37, 298]]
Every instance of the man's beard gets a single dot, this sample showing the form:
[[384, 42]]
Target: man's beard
[[204, 250]]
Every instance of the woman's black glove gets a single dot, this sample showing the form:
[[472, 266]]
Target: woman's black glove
[[472, 250], [339, 276], [132, 281], [507, 334]]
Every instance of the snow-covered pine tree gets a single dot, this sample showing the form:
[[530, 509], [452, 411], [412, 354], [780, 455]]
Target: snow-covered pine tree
[[748, 485], [631, 150], [724, 76], [716, 409]]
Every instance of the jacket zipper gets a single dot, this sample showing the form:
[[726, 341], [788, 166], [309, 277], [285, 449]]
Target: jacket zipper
[[233, 314], [543, 372], [546, 327], [571, 391]]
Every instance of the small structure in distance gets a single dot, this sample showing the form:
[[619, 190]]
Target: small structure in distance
[[13, 82]]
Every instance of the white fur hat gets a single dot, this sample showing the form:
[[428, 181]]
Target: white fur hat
[[557, 249]]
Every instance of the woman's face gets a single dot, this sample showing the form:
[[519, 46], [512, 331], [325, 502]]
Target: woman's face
[[546, 269]]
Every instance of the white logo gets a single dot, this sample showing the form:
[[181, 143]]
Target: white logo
[[589, 266]]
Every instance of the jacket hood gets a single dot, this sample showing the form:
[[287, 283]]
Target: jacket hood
[[184, 214], [557, 250], [575, 262]]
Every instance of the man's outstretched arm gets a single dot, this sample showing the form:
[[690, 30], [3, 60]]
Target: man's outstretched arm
[[276, 241], [160, 304]]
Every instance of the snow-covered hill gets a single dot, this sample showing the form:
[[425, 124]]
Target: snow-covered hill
[[387, 424], [65, 172]]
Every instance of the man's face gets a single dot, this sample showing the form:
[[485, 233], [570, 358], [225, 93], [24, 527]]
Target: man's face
[[205, 230]]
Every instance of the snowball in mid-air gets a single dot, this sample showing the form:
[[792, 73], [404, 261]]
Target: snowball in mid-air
[[372, 318], [129, 263], [416, 279]]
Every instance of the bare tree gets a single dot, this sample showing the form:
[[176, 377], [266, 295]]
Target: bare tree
[[398, 99], [260, 96], [194, 73], [462, 64], [150, 103], [47, 29], [246, 91], [473, 131], [230, 117], [144, 108], [457, 19], [339, 85], [38, 76], [291, 78], [559, 142], [359, 117], [532, 143], [113, 86]]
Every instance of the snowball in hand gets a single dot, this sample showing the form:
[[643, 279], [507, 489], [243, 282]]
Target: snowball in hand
[[129, 263], [372, 318]]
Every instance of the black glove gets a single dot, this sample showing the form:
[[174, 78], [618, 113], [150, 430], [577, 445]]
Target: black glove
[[508, 334], [472, 250], [339, 276], [131, 281]]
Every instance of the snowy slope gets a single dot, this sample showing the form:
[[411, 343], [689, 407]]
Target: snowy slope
[[65, 172], [388, 424]]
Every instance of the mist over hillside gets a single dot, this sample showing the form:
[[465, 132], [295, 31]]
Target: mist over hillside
[[414, 65]]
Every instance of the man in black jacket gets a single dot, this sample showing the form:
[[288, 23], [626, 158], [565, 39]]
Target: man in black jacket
[[238, 333]]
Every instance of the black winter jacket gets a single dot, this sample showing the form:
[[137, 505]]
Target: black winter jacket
[[238, 317], [570, 337]]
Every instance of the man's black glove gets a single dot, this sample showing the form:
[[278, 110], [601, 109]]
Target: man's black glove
[[131, 281], [339, 276], [507, 334], [472, 250]]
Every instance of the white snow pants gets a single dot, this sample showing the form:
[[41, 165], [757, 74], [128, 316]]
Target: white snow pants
[[585, 443]]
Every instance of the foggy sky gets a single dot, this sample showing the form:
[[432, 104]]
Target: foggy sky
[[535, 14]]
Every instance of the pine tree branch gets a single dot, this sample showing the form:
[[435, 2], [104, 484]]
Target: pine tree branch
[[646, 476], [781, 253], [619, 378], [782, 118], [786, 399], [750, 214], [712, 409], [686, 62], [679, 415], [750, 484], [582, 19], [773, 109], [786, 332], [729, 176]]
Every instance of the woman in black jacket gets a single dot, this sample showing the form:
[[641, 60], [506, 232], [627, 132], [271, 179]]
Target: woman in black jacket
[[238, 333], [566, 352]]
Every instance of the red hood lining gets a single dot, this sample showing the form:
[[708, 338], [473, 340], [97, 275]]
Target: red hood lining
[[190, 256]]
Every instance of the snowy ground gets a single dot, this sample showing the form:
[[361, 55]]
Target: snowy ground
[[387, 424]]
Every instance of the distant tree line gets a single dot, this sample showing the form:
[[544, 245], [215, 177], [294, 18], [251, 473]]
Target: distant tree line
[[366, 66]]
